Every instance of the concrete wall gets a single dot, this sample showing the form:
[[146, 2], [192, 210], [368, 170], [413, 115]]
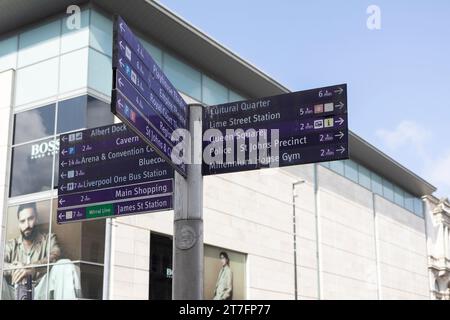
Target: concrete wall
[[366, 247]]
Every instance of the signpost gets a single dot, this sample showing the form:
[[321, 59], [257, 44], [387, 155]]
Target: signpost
[[108, 172], [289, 129], [143, 98]]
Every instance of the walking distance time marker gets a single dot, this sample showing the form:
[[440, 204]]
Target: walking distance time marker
[[284, 130], [108, 172]]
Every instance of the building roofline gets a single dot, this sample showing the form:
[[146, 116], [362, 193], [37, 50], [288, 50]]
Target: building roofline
[[193, 45]]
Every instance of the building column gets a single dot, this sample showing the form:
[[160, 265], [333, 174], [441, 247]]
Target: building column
[[446, 244], [6, 104]]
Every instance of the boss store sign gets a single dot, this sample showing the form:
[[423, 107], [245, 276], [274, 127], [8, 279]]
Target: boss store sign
[[44, 149]]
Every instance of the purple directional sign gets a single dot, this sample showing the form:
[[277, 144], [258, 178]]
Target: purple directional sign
[[143, 98], [289, 129], [103, 170]]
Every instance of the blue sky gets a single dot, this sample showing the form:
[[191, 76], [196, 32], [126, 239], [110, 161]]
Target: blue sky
[[398, 77]]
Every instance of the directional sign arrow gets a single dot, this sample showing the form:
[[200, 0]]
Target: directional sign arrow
[[63, 175], [64, 152], [121, 63], [340, 121], [340, 135], [61, 201], [63, 188], [341, 150], [120, 82], [339, 90], [60, 216], [63, 164], [119, 102], [64, 138], [121, 27], [121, 45], [340, 105]]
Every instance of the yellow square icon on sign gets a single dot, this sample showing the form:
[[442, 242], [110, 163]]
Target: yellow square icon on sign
[[329, 122]]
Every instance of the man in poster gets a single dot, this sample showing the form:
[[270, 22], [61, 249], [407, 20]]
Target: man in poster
[[31, 249], [224, 285]]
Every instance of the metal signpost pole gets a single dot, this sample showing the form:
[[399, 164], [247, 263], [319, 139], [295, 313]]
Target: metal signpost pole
[[188, 218]]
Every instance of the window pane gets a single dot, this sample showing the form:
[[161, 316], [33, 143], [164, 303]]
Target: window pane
[[418, 207], [91, 281], [28, 221], [337, 166], [39, 43], [31, 167], [235, 96], [213, 92], [80, 241], [351, 170], [399, 198], [388, 190], [325, 164], [100, 72], [154, 51], [34, 124], [377, 186], [101, 33], [182, 76], [8, 53], [364, 177], [409, 202], [75, 280], [72, 114], [74, 71], [37, 82], [98, 113], [73, 38]]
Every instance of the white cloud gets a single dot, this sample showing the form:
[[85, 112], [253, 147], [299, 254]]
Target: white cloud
[[406, 134]]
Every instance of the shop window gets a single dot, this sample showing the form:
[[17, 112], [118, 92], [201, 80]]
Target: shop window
[[31, 167], [72, 114], [98, 113], [216, 281], [65, 261], [230, 283], [34, 124], [27, 225]]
